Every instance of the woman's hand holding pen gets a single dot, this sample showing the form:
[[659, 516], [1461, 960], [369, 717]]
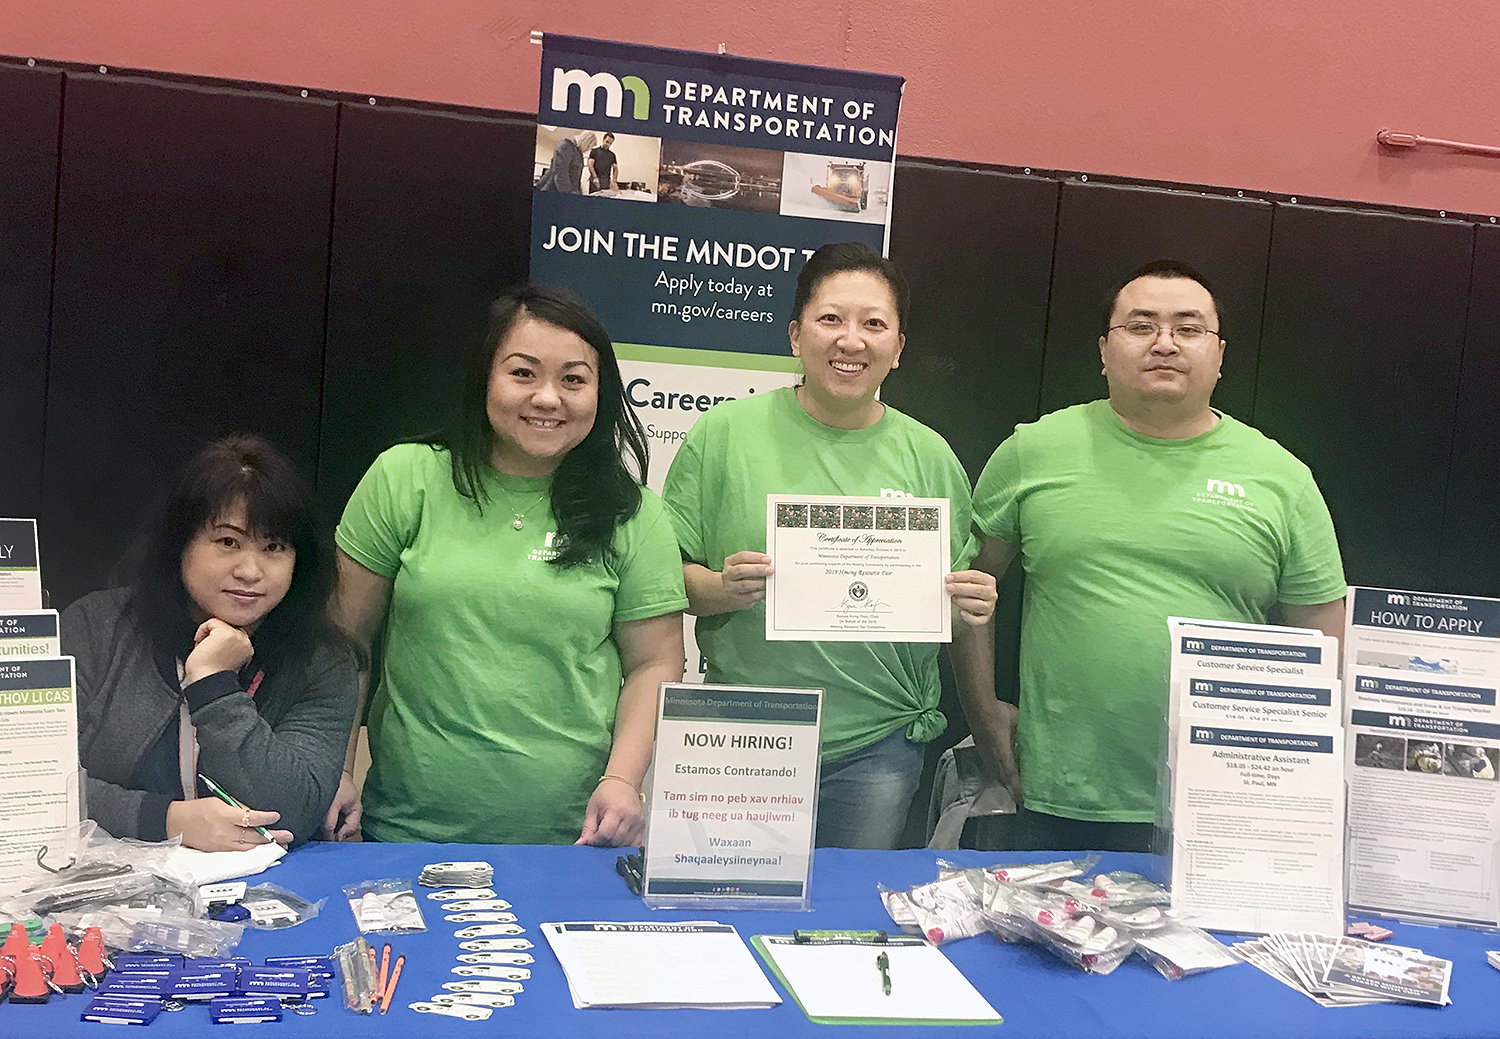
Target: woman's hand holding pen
[[208, 824]]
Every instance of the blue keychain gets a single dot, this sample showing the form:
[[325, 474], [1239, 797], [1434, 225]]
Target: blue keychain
[[243, 1010], [279, 982], [202, 983], [121, 1010], [134, 960], [315, 965], [121, 983]]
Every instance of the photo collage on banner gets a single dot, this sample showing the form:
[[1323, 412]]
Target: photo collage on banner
[[679, 193]]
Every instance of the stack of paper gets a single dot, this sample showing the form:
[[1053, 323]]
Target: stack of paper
[[868, 980], [1338, 971], [210, 867], [699, 964], [1255, 752]]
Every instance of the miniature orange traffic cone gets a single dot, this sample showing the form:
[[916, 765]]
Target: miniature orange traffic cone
[[64, 960], [16, 942], [91, 958], [31, 980]]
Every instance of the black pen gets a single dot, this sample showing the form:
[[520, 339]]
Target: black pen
[[883, 964]]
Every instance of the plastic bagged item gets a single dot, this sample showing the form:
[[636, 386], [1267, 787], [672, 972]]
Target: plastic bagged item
[[190, 937], [1060, 923], [1122, 888], [357, 969], [272, 907], [106, 873], [951, 907], [1180, 950], [385, 907], [941, 911]]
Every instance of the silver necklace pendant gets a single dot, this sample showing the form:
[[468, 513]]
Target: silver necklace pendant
[[518, 524]]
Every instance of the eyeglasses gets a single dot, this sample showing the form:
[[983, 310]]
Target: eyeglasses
[[1147, 331]]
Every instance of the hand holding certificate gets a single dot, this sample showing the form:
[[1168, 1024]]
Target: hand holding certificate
[[856, 569]]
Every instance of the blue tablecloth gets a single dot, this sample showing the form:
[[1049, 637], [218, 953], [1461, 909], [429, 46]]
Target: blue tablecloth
[[1036, 994]]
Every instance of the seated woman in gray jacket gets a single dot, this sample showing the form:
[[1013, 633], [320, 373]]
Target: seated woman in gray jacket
[[219, 661]]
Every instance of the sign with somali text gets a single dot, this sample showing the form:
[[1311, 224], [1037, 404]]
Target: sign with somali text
[[20, 567], [733, 802]]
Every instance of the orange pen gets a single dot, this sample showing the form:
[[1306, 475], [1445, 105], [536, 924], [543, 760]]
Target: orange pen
[[385, 965], [390, 989]]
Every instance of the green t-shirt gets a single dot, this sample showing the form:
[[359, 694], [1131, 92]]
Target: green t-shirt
[[742, 450], [1117, 532], [496, 705]]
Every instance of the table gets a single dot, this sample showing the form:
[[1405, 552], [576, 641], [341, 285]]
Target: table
[[1037, 995]]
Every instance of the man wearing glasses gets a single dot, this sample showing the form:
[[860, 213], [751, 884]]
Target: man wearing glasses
[[1126, 511]]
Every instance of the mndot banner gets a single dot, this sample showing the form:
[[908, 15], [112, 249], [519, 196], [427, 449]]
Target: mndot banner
[[680, 193]]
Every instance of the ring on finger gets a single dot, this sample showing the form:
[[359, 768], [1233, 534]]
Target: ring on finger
[[245, 819]]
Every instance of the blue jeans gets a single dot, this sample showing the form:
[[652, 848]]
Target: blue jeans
[[863, 797]]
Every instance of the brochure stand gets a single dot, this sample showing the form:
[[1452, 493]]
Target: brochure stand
[[1255, 755], [1423, 670], [40, 789]]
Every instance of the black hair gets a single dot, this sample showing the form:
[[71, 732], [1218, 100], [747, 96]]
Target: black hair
[[279, 503], [838, 257], [593, 491], [1161, 269]]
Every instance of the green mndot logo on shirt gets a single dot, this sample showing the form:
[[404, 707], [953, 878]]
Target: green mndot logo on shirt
[[551, 546], [1224, 492]]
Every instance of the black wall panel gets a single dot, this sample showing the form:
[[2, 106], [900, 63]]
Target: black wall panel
[[1359, 369], [190, 292], [976, 247], [1105, 231], [32, 105], [432, 220], [1469, 561]]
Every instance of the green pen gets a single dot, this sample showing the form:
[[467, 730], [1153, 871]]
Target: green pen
[[223, 795]]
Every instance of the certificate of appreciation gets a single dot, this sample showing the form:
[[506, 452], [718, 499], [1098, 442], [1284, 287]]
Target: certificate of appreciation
[[857, 569]]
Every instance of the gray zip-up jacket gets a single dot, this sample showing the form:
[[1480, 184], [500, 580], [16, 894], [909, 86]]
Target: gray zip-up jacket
[[282, 751]]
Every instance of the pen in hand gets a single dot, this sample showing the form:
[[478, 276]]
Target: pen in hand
[[223, 795], [883, 964]]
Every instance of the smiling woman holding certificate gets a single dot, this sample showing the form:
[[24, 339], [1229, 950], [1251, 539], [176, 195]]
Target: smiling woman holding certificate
[[531, 595], [830, 436]]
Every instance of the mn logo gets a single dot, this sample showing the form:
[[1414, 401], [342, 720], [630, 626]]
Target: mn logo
[[1225, 487], [589, 86]]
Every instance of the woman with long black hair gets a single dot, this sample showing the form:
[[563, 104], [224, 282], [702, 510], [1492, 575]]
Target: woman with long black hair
[[217, 659], [530, 592]]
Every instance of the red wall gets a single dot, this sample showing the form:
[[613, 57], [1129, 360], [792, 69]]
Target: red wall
[[1269, 95]]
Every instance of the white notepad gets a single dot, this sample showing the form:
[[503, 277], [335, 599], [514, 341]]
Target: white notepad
[[699, 964], [837, 980]]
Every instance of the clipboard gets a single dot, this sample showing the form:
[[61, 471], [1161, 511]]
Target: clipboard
[[835, 979]]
